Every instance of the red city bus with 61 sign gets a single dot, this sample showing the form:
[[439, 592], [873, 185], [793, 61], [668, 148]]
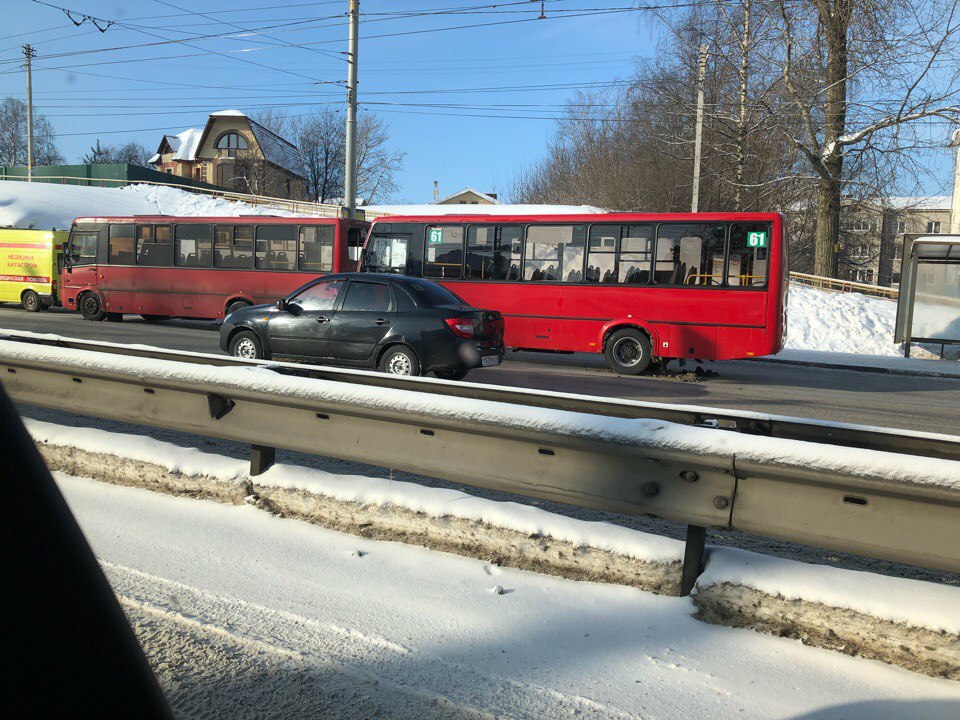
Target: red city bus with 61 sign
[[639, 288], [199, 267]]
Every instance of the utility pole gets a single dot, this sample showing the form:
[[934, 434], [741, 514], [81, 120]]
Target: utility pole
[[29, 52], [350, 176], [701, 76]]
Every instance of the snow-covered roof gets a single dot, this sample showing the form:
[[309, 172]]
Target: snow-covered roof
[[489, 198], [499, 209], [227, 113], [184, 145], [933, 202]]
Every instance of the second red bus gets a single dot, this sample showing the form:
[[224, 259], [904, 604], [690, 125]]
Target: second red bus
[[640, 288]]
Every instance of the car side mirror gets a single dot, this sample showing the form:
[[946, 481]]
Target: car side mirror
[[282, 305]]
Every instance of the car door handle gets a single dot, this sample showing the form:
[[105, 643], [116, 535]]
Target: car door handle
[[381, 321], [323, 319]]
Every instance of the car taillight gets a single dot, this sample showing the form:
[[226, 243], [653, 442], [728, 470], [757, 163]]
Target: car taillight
[[461, 326]]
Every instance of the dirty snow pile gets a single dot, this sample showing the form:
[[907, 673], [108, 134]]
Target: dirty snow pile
[[45, 206], [840, 322]]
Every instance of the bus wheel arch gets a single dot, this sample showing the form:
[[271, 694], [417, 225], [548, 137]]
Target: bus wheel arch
[[90, 306], [30, 301], [629, 348], [236, 303]]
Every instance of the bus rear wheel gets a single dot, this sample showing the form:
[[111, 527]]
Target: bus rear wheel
[[31, 301], [236, 305], [628, 352], [91, 308]]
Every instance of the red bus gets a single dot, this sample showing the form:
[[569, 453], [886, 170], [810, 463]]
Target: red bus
[[198, 267], [640, 288]]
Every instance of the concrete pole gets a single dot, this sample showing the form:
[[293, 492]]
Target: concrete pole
[[350, 175], [701, 76], [29, 52], [955, 202]]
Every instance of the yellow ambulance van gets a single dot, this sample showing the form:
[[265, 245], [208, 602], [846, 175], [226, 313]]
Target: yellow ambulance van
[[30, 262]]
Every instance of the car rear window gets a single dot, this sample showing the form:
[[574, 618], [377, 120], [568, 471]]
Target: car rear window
[[428, 294]]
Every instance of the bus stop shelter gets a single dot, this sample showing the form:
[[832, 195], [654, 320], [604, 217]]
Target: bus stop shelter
[[928, 309]]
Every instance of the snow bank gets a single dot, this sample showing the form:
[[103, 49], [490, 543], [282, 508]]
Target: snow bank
[[47, 206], [840, 322], [366, 491]]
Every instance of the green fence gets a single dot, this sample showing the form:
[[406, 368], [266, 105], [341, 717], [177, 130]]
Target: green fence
[[108, 175]]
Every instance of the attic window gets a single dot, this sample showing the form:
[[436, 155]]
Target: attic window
[[230, 142]]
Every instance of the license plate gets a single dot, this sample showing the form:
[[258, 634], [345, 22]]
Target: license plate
[[489, 360]]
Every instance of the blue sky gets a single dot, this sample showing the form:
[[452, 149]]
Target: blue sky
[[139, 93], [129, 92]]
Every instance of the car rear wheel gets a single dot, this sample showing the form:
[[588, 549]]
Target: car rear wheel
[[91, 308], [246, 345], [400, 360], [628, 352], [459, 374], [31, 301]]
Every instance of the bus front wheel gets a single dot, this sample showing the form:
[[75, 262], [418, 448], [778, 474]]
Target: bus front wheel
[[31, 301], [628, 352], [91, 308]]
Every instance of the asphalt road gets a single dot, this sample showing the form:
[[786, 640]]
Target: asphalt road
[[910, 402]]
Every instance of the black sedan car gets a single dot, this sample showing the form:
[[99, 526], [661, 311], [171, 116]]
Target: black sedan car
[[402, 325]]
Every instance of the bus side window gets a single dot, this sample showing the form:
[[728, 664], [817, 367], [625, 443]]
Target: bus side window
[[636, 254], [194, 245], [316, 248], [493, 252], [276, 247], [554, 253], [154, 246], [443, 251], [602, 254], [121, 244], [689, 254], [746, 264]]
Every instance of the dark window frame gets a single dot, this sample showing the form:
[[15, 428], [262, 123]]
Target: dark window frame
[[498, 229], [176, 248], [583, 261], [133, 250], [317, 227], [233, 243], [342, 300]]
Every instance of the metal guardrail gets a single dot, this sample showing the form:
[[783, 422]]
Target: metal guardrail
[[848, 511], [946, 447], [300, 207], [825, 283]]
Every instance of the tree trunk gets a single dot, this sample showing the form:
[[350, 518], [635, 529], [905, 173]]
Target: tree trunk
[[836, 23], [827, 236], [742, 120]]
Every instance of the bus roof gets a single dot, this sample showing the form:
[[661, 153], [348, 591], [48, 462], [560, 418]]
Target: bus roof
[[586, 218], [223, 219]]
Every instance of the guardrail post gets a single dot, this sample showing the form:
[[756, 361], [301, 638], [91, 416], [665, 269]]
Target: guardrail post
[[692, 558], [261, 458]]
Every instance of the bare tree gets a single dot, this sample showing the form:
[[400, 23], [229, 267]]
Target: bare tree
[[861, 75], [130, 153], [320, 139], [13, 136], [377, 162]]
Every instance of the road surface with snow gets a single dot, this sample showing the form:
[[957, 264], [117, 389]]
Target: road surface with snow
[[274, 615]]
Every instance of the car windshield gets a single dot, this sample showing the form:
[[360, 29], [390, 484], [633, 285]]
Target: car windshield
[[430, 294]]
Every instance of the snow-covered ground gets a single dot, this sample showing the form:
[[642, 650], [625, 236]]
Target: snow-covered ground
[[48, 206], [262, 607], [850, 329]]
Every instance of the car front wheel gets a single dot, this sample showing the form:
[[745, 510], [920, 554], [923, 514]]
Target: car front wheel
[[246, 345], [400, 360]]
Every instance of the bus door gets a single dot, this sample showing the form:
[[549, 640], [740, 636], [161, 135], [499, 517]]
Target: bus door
[[81, 260]]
